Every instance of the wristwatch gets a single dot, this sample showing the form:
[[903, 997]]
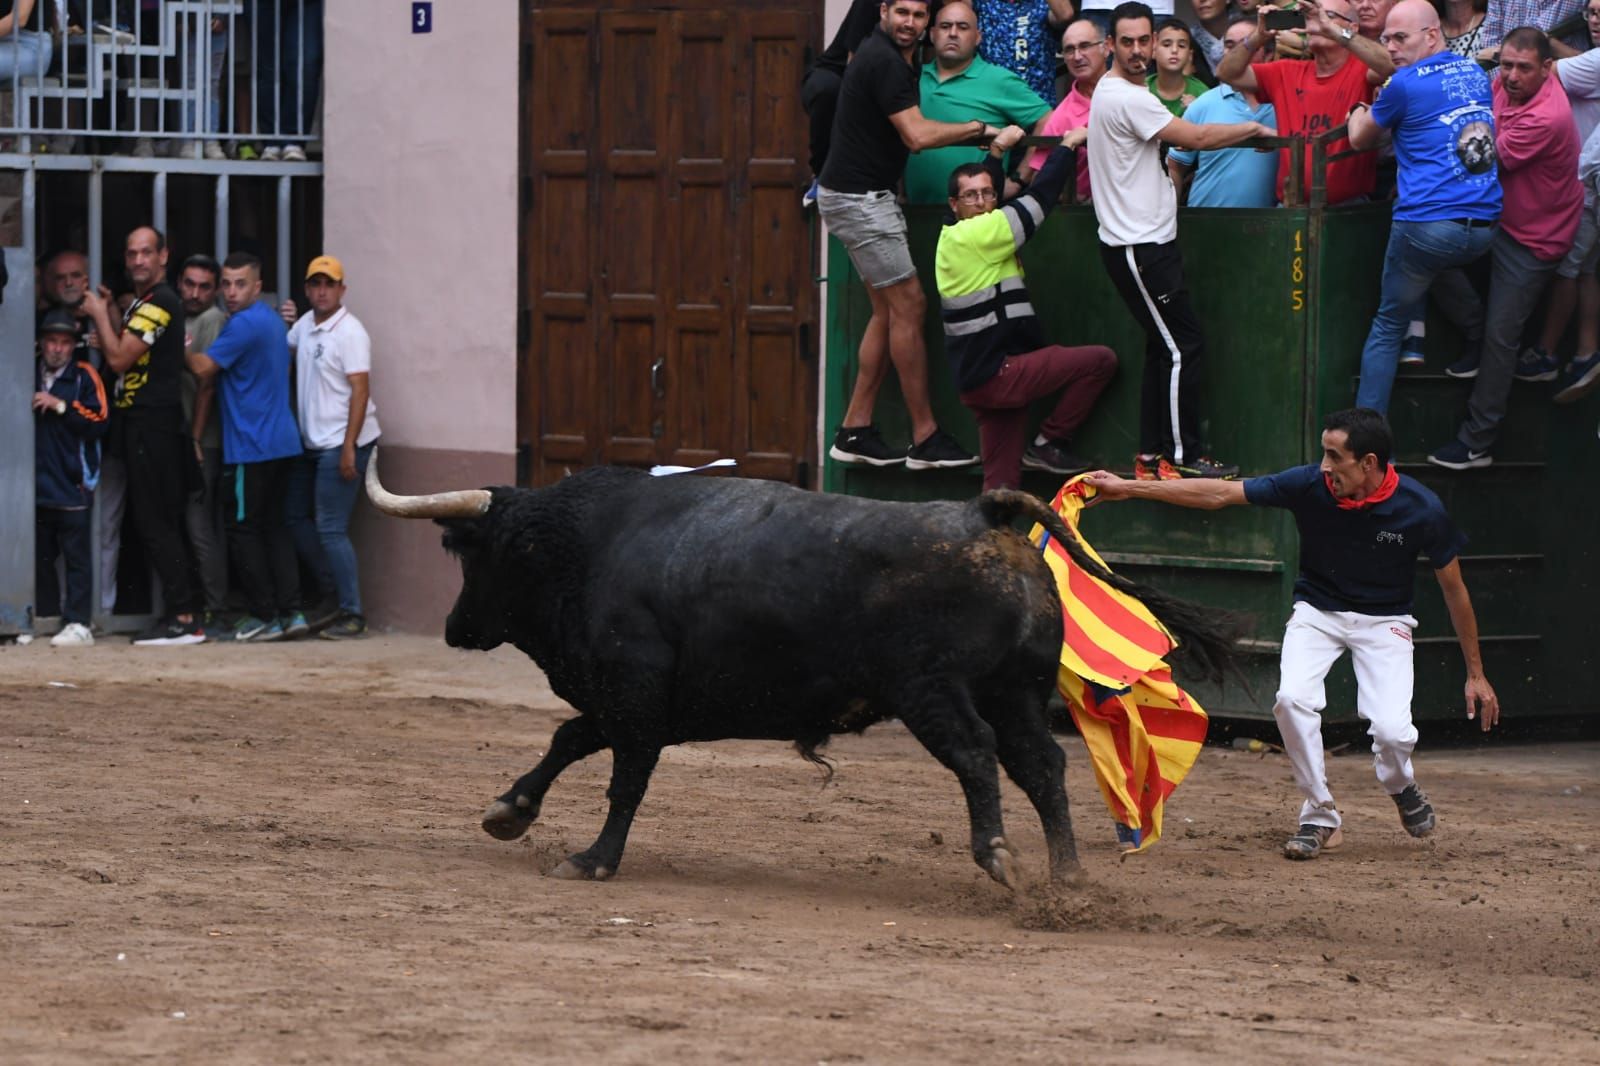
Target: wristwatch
[[61, 407], [1346, 34]]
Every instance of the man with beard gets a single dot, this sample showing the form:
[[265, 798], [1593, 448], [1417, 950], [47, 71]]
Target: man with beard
[[1437, 108], [879, 122], [147, 431], [197, 287], [1138, 214]]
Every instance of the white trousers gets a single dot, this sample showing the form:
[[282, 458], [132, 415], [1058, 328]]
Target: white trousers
[[1380, 651]]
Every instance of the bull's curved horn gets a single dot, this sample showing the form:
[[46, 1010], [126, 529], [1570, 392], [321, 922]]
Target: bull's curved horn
[[463, 503]]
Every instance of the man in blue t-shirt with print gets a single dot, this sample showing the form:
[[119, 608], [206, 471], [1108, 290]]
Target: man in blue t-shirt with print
[[260, 443], [1362, 527], [1438, 109]]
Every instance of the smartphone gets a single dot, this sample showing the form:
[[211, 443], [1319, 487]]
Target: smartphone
[[1285, 19]]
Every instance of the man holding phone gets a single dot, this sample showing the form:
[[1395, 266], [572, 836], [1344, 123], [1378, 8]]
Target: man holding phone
[[1313, 96]]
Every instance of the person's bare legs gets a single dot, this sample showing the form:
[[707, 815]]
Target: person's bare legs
[[873, 360], [895, 325]]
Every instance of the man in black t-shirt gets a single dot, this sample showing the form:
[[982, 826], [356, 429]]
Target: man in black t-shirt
[[147, 425], [1362, 528], [878, 123], [819, 93]]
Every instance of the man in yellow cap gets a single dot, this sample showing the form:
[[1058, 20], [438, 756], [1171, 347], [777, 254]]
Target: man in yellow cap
[[338, 426]]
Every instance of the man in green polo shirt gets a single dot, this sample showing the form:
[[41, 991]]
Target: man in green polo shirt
[[960, 86]]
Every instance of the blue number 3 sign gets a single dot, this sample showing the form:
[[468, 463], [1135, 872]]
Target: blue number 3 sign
[[422, 18]]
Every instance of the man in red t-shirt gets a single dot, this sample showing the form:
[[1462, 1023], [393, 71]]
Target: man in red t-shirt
[[1313, 96]]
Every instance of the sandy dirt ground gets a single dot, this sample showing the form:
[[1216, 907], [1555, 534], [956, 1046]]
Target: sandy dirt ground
[[271, 854]]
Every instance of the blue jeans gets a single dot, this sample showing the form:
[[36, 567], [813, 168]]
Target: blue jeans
[[320, 502], [288, 65], [1418, 252], [24, 54]]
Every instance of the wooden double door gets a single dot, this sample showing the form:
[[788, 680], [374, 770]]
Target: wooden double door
[[666, 261]]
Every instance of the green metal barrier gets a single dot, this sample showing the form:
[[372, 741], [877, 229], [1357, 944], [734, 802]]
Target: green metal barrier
[[1286, 297]]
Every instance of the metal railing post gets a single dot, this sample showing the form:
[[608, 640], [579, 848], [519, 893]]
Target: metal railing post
[[221, 227], [96, 236], [158, 201], [283, 237]]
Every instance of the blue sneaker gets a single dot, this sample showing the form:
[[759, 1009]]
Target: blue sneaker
[[1411, 351], [1579, 379], [295, 626], [1535, 364], [1465, 367], [1457, 456], [809, 197], [271, 631]]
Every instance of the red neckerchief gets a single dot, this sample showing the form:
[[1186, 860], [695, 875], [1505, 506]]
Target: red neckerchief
[[1391, 481]]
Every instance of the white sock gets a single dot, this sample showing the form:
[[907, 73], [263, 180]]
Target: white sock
[[1041, 439], [1417, 329]]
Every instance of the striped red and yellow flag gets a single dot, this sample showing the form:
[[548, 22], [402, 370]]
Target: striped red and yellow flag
[[1142, 730]]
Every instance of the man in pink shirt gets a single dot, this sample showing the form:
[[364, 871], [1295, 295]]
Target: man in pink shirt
[[1083, 46], [1536, 143]]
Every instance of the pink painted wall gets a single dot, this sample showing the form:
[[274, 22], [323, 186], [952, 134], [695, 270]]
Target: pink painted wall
[[421, 206]]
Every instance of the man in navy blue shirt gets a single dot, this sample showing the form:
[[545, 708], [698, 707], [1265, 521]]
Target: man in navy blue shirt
[[1362, 527], [260, 443]]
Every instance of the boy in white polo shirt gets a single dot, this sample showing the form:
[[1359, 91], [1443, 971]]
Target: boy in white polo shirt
[[338, 426]]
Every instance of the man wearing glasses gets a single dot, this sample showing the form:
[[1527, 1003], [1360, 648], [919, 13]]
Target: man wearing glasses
[[1313, 96], [1438, 110], [997, 352], [1504, 16], [1083, 46]]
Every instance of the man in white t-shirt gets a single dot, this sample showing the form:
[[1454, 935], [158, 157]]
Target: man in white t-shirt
[[338, 426], [1138, 213]]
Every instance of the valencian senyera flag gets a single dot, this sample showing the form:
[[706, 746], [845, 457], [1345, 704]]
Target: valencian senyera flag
[[1143, 731]]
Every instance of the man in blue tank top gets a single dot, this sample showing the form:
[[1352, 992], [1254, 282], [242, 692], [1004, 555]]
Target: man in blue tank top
[[1362, 527]]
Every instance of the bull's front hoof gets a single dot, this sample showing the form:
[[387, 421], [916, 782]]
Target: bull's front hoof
[[1001, 863], [574, 871], [1073, 876], [505, 822]]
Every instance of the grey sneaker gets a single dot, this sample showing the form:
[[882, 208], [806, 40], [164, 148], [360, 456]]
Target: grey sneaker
[[348, 627], [863, 445], [1311, 841], [1416, 813], [939, 451]]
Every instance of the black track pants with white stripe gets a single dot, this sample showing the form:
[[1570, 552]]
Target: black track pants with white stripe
[[1150, 279]]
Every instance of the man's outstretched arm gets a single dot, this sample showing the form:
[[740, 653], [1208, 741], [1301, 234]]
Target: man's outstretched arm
[[1205, 494]]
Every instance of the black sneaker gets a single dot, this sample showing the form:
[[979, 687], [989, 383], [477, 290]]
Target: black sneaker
[[170, 632], [939, 451], [1054, 457], [863, 444], [1311, 841], [347, 627], [1207, 467], [1416, 813], [322, 615]]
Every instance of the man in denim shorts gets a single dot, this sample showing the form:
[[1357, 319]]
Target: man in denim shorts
[[878, 123]]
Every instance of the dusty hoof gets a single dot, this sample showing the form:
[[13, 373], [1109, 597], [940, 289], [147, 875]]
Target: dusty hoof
[[1070, 877], [1002, 864], [571, 871], [505, 822]]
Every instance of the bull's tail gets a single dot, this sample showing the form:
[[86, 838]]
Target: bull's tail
[[1207, 637]]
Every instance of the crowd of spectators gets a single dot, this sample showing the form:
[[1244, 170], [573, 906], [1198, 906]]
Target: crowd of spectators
[[238, 80], [1476, 121], [233, 434]]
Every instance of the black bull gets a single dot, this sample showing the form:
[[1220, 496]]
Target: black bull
[[686, 608]]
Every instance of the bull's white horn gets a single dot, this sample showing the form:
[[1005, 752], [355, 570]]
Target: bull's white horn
[[463, 503]]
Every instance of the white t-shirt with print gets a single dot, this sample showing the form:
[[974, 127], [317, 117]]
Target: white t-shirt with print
[[1133, 196], [325, 356]]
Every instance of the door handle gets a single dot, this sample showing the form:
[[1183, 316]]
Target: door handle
[[655, 377]]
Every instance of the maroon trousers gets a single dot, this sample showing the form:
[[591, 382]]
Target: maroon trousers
[[1001, 403]]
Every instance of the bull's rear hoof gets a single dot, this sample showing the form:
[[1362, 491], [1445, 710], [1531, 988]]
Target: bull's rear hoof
[[1002, 863], [505, 822], [571, 871]]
